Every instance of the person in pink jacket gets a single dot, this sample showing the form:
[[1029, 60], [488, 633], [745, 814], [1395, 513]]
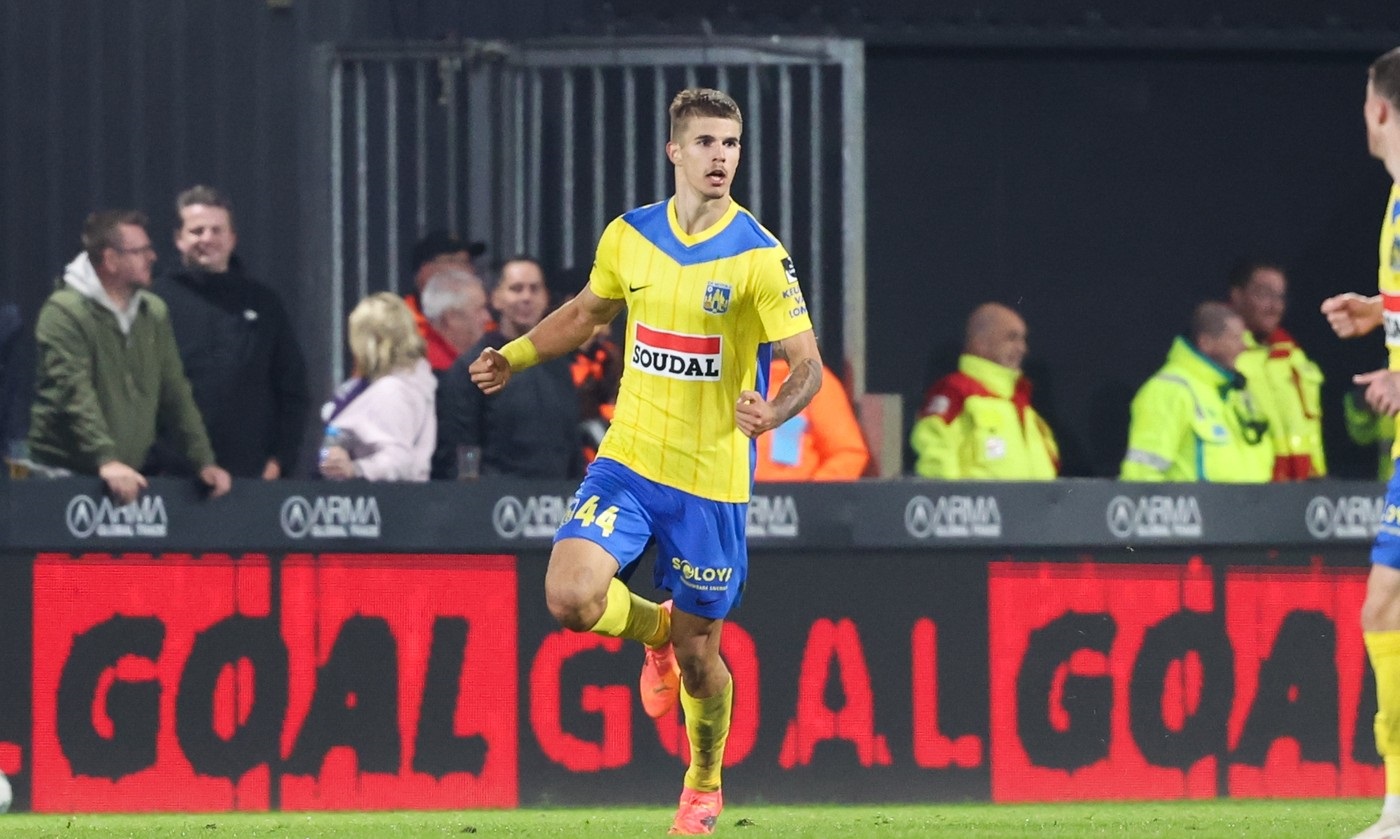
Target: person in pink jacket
[[383, 419]]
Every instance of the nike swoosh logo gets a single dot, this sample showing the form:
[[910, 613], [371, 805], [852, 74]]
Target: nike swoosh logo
[[636, 288]]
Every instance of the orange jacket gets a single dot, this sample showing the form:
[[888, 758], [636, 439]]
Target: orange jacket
[[824, 440]]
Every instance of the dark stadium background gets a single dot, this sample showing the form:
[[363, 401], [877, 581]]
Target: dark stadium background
[[1097, 165]]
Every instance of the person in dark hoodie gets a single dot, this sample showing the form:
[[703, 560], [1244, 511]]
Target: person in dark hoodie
[[238, 346], [108, 370]]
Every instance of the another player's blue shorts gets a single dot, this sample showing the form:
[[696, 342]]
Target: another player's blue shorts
[[702, 557], [1386, 549]]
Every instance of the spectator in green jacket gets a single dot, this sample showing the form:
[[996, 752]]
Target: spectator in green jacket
[[109, 372]]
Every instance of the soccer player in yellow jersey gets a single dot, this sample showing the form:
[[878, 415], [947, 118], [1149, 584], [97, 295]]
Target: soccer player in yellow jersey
[[708, 291], [1351, 315]]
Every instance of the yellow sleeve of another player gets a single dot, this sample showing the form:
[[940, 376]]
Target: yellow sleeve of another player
[[778, 296], [604, 279]]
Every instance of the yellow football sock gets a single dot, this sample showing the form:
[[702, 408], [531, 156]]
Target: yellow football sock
[[630, 616], [1383, 648], [707, 724]]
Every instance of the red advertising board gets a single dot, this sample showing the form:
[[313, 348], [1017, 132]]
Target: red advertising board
[[1064, 640], [204, 683], [1138, 681], [1299, 673], [307, 682]]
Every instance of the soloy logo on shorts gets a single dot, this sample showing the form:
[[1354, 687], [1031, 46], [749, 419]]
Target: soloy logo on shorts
[[331, 517], [145, 516], [773, 516], [1154, 517], [690, 574], [953, 516], [537, 517]]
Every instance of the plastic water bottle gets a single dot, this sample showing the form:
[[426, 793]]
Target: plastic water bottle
[[332, 438]]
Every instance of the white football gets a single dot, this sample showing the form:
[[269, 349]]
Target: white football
[[6, 794]]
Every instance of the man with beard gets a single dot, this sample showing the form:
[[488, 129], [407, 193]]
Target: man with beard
[[108, 373]]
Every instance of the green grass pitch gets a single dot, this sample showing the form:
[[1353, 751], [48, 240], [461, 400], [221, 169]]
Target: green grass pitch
[[1216, 819]]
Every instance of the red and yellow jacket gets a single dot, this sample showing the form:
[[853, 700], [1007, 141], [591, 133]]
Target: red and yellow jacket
[[978, 424], [1286, 386]]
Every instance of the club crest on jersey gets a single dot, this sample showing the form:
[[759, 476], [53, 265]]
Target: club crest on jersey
[[676, 355], [716, 298]]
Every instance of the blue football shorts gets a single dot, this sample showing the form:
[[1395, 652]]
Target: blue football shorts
[[1386, 549], [702, 557]]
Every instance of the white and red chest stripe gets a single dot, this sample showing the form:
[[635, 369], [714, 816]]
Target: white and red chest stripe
[[1391, 314], [677, 355]]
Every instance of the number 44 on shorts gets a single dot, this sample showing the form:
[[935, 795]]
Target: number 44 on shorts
[[587, 514]]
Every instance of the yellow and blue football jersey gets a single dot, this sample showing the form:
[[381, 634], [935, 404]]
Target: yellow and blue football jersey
[[1390, 283], [701, 311]]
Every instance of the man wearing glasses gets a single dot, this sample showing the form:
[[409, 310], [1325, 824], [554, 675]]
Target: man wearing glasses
[[1285, 383], [109, 372], [1194, 420]]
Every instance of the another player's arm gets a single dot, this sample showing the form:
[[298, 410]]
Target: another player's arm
[[563, 330], [1351, 315], [754, 416]]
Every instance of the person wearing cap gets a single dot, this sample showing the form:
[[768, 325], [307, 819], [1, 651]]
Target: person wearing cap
[[434, 252]]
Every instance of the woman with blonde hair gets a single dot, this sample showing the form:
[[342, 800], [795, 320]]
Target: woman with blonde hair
[[384, 417]]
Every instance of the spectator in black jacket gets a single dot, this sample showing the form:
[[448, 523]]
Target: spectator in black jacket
[[16, 380], [530, 429], [237, 344]]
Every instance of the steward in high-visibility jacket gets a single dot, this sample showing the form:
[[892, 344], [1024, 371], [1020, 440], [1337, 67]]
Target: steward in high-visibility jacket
[[1287, 388], [1365, 427], [1194, 420], [978, 424]]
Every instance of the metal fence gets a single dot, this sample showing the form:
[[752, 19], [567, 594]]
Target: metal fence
[[533, 147]]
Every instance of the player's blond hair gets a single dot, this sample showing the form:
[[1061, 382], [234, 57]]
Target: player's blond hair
[[383, 337], [702, 102]]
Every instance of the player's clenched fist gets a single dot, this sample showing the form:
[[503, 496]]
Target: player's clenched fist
[[490, 371], [1351, 314], [753, 414]]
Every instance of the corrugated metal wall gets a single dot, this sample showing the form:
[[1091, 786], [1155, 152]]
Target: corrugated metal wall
[[123, 103]]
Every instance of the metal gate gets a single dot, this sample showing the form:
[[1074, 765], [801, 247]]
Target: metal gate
[[533, 147]]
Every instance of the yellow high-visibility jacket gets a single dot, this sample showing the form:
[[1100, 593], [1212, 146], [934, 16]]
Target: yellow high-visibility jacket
[[978, 424], [1195, 421], [1287, 388]]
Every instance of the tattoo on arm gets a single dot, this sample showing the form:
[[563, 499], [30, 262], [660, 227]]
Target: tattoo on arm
[[802, 384]]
